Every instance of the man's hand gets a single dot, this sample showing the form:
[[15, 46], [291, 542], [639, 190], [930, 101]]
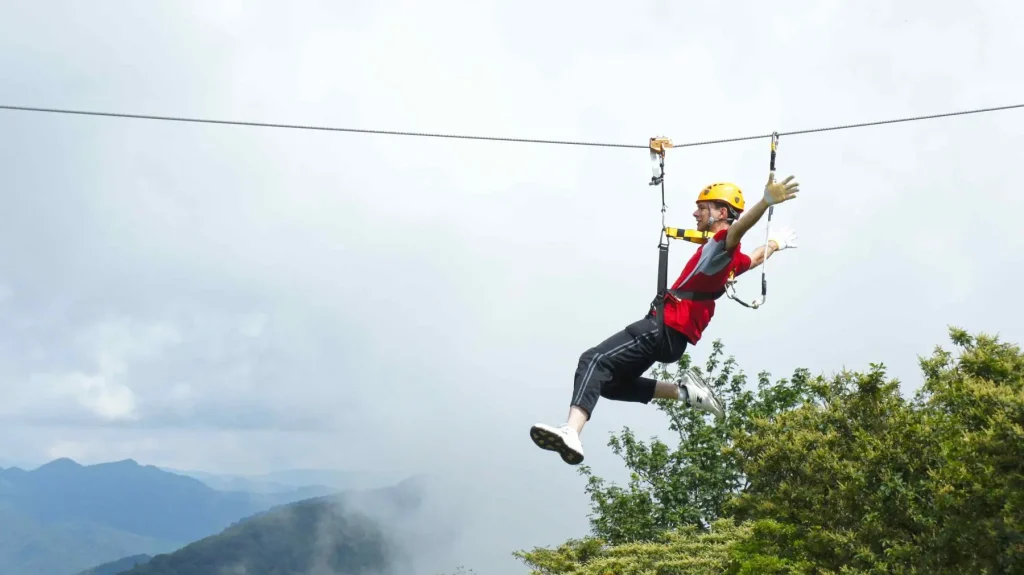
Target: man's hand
[[778, 192], [780, 240], [774, 193], [784, 238]]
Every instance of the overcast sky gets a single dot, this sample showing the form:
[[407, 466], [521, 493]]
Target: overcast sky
[[240, 299]]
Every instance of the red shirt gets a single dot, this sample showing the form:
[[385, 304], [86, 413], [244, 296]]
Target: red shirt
[[707, 271]]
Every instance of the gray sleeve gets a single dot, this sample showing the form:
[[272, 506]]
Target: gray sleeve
[[713, 259]]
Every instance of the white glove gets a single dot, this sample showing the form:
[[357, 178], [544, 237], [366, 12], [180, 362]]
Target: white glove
[[784, 238], [778, 192]]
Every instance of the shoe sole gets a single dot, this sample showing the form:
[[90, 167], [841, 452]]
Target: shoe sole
[[554, 442]]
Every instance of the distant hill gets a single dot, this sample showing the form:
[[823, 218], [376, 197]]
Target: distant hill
[[116, 567], [63, 517], [375, 532], [28, 547], [313, 536]]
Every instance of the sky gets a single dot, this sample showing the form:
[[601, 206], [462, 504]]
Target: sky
[[242, 299]]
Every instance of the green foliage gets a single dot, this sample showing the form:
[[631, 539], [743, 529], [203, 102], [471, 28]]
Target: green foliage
[[842, 472], [975, 409], [684, 551], [830, 475], [872, 482]]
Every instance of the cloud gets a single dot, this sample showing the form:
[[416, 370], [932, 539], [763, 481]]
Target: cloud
[[178, 372]]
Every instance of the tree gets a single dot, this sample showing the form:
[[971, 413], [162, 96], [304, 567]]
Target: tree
[[864, 480], [836, 479], [974, 406], [830, 475]]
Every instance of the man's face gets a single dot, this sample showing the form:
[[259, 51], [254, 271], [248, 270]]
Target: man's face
[[703, 215]]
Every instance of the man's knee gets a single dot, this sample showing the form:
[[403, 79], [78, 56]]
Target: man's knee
[[587, 359], [589, 355]]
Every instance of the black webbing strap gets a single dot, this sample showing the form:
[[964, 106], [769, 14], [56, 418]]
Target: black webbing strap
[[658, 305]]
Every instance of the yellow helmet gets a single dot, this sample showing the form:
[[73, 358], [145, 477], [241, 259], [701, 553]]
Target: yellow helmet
[[725, 192]]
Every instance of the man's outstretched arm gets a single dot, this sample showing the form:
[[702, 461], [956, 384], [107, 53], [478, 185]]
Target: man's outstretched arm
[[743, 225], [774, 193], [780, 240], [762, 253]]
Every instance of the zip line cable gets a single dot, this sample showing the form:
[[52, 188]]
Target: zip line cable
[[325, 128], [849, 126], [497, 138]]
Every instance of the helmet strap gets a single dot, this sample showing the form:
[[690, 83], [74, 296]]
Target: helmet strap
[[712, 220]]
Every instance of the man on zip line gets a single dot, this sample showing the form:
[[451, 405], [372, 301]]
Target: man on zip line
[[614, 368]]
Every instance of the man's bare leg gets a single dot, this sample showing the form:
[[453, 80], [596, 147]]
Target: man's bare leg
[[694, 391], [577, 419], [667, 390]]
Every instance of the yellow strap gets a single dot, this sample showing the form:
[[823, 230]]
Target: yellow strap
[[694, 236]]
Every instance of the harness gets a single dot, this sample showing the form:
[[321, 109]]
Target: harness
[[658, 146]]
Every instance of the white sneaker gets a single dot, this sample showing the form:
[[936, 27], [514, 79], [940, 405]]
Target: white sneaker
[[563, 440], [698, 395]]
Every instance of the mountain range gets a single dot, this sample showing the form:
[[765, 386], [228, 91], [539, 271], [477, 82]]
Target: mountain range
[[64, 518], [290, 479]]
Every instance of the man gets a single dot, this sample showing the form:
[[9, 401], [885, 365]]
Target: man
[[614, 368]]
